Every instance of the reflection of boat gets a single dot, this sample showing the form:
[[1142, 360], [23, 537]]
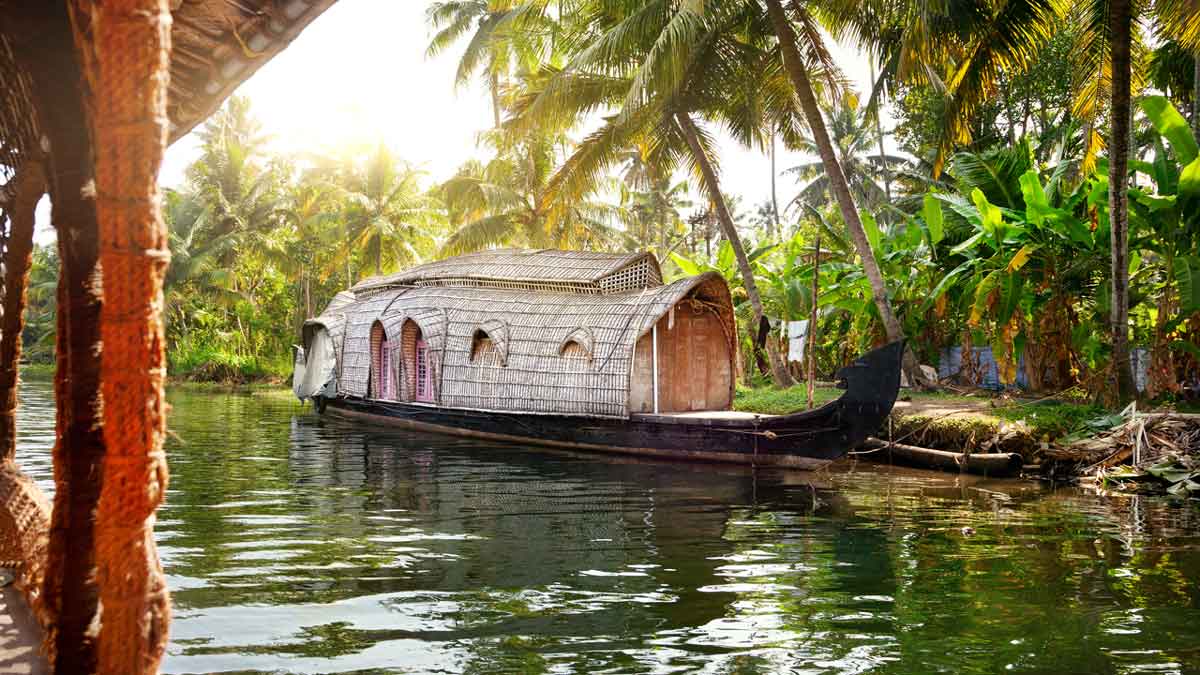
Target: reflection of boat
[[573, 350]]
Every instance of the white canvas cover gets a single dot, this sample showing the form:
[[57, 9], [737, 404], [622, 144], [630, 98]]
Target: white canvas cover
[[314, 373]]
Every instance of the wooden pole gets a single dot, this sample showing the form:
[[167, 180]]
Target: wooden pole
[[812, 324], [654, 362], [30, 185], [125, 48], [69, 593]]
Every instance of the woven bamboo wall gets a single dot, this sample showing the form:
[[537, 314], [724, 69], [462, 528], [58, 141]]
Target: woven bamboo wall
[[530, 331]]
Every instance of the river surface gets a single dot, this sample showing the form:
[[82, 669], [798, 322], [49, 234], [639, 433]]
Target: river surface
[[300, 544]]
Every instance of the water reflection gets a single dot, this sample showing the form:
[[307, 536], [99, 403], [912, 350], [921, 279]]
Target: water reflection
[[294, 543]]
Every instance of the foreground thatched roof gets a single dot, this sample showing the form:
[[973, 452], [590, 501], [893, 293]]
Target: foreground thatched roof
[[216, 45]]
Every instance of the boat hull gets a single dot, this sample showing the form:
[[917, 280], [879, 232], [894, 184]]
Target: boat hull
[[803, 440]]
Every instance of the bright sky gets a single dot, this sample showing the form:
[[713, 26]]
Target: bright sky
[[359, 73]]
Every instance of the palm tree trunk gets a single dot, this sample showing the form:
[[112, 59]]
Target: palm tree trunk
[[794, 64], [1196, 95], [307, 296], [887, 173], [712, 184], [775, 193], [494, 86], [1120, 20], [30, 183], [69, 592]]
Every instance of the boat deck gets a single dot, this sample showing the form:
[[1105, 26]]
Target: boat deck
[[20, 636]]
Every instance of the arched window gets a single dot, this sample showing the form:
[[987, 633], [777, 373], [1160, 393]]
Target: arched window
[[484, 350], [577, 348], [574, 350], [418, 369], [383, 370]]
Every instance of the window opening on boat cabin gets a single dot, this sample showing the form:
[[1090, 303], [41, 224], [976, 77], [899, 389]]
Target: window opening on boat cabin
[[484, 350], [383, 371], [424, 374], [418, 364], [387, 384], [576, 356]]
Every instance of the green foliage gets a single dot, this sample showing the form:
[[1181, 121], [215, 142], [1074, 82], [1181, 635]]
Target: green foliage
[[771, 401], [202, 362]]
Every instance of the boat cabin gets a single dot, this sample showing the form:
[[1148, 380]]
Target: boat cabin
[[529, 331]]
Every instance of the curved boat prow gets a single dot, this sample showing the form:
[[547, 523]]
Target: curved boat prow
[[874, 377]]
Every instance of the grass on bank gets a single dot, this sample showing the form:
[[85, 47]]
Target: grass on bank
[[957, 421]]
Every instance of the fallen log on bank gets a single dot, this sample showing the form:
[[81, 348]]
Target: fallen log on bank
[[988, 464]]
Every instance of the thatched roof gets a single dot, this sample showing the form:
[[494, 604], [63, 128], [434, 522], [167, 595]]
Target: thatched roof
[[542, 269], [530, 329], [216, 45]]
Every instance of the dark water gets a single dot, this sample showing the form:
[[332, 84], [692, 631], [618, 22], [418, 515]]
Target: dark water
[[300, 544]]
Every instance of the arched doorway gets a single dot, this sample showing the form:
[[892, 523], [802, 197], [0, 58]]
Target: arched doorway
[[383, 367], [418, 371]]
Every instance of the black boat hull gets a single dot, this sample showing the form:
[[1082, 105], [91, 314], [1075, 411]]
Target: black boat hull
[[805, 440]]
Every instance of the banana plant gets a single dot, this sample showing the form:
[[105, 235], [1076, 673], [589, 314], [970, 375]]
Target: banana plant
[[1165, 219], [1019, 262]]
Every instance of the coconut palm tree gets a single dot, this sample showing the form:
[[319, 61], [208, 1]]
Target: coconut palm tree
[[386, 212], [665, 70], [798, 71], [651, 204], [503, 34], [853, 140], [502, 202]]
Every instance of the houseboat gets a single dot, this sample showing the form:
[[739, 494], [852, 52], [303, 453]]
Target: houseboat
[[569, 349]]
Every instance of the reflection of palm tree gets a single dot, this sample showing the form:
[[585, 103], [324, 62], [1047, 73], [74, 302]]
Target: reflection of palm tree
[[852, 139]]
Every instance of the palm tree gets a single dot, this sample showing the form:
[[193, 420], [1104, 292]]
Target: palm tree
[[387, 214], [651, 204], [502, 202], [798, 70], [662, 67], [852, 139], [500, 37], [233, 181]]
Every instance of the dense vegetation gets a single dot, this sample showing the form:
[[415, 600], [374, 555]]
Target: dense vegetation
[[1001, 223]]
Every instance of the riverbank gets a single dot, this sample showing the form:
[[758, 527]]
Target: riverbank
[[1055, 439], [950, 421]]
